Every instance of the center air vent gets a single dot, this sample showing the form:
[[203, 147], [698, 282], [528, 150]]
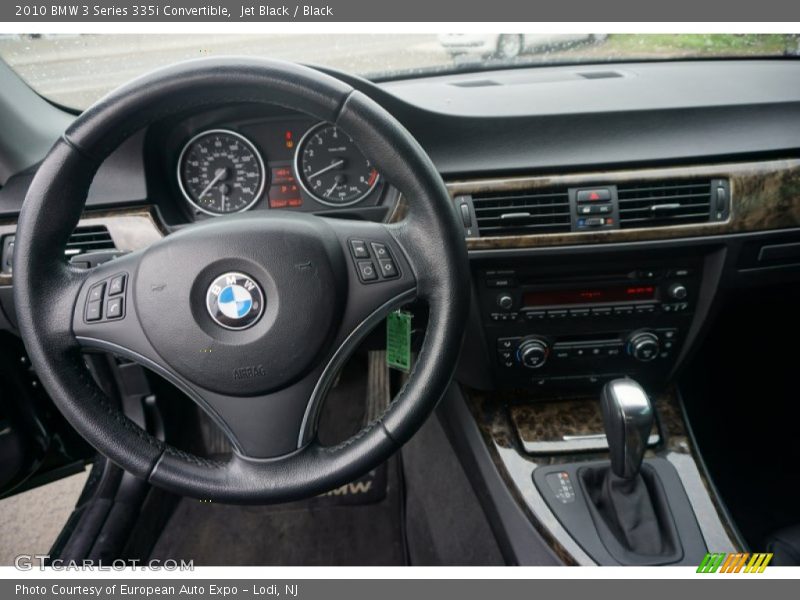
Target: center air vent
[[543, 210], [661, 203], [89, 238]]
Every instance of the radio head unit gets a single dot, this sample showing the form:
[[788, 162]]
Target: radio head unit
[[576, 326]]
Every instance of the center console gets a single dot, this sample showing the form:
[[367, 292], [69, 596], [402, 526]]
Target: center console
[[578, 324]]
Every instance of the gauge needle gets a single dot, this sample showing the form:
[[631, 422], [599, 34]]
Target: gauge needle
[[220, 173], [333, 165], [333, 187]]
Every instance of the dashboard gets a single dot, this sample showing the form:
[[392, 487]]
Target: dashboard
[[606, 209]]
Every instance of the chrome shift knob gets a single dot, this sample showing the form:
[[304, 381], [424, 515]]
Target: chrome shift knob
[[628, 419]]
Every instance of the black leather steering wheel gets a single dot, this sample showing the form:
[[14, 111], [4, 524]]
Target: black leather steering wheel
[[263, 383]]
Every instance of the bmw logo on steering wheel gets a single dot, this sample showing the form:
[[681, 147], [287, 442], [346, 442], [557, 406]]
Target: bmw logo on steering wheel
[[235, 301]]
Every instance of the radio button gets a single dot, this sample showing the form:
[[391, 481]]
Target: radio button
[[679, 272], [579, 312], [505, 301], [535, 315], [677, 291], [645, 309], [501, 282], [601, 312], [649, 274], [556, 314], [623, 310]]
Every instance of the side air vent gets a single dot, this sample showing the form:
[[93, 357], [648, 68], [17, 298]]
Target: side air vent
[[543, 210], [89, 238], [662, 203]]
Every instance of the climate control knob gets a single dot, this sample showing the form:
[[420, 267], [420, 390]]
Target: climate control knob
[[643, 346], [533, 353]]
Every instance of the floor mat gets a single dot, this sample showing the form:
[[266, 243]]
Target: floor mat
[[320, 531], [31, 521]]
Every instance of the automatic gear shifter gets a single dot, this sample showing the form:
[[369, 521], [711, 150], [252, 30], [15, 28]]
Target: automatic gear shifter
[[628, 419], [627, 499]]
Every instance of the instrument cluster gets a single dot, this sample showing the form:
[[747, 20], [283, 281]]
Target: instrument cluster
[[274, 163]]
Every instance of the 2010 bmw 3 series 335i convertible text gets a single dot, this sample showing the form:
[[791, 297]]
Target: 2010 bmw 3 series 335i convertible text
[[436, 300]]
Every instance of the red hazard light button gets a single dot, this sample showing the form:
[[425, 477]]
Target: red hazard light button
[[594, 195]]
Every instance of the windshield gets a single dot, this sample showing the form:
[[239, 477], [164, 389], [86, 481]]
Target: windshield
[[75, 70]]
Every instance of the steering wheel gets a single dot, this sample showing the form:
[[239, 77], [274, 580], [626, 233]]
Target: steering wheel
[[250, 315]]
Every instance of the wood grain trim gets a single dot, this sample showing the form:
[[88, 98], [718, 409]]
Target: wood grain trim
[[764, 195], [130, 228]]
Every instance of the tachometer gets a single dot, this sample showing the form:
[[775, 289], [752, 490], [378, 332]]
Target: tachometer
[[221, 172], [331, 168]]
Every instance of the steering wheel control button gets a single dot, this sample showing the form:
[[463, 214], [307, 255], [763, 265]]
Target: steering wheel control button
[[99, 303], [380, 251], [366, 270], [235, 301], [388, 269], [372, 271], [96, 292], [114, 308], [359, 249], [116, 285], [94, 310]]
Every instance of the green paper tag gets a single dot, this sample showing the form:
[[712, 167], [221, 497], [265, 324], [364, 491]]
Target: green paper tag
[[398, 340]]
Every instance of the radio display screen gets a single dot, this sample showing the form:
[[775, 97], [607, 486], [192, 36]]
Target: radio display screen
[[622, 293]]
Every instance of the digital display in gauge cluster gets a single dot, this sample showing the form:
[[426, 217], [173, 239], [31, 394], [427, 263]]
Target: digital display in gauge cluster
[[221, 171]]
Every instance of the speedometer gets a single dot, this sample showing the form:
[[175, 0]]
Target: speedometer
[[221, 172], [332, 169]]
